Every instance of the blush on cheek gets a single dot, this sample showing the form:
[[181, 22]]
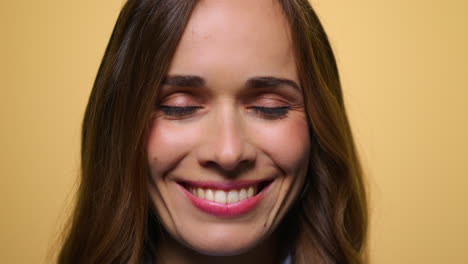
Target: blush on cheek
[[287, 144], [169, 143]]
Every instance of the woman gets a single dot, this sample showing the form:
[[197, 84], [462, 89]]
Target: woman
[[216, 133]]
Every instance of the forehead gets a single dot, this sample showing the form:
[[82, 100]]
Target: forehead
[[235, 38]]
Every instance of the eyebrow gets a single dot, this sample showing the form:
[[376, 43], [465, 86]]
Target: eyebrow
[[194, 81], [270, 81], [184, 81]]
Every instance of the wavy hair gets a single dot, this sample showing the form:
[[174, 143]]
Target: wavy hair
[[113, 219]]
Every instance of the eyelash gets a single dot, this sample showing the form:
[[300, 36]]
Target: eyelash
[[267, 112], [178, 111], [271, 112]]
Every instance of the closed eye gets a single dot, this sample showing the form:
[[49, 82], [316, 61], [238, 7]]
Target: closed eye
[[178, 111], [271, 112], [266, 112]]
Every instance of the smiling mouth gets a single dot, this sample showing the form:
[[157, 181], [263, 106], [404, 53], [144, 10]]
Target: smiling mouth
[[225, 193]]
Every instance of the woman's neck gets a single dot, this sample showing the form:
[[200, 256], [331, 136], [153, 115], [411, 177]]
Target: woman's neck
[[172, 252]]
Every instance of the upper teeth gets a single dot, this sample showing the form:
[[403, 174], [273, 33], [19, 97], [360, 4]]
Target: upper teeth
[[224, 197]]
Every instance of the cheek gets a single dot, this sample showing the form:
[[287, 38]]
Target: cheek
[[168, 144], [287, 143]]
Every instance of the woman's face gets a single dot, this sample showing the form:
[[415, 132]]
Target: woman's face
[[229, 142]]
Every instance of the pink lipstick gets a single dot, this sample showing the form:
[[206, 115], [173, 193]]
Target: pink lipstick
[[225, 199]]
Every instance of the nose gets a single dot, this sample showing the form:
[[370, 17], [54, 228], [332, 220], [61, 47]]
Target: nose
[[227, 145]]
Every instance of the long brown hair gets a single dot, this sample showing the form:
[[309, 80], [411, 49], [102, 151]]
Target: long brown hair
[[113, 220]]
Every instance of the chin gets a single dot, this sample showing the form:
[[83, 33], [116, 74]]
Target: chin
[[222, 245]]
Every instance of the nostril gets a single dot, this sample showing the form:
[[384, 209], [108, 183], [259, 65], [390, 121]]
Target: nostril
[[225, 161], [229, 169], [230, 164]]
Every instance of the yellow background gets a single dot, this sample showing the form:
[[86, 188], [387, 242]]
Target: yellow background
[[404, 71]]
